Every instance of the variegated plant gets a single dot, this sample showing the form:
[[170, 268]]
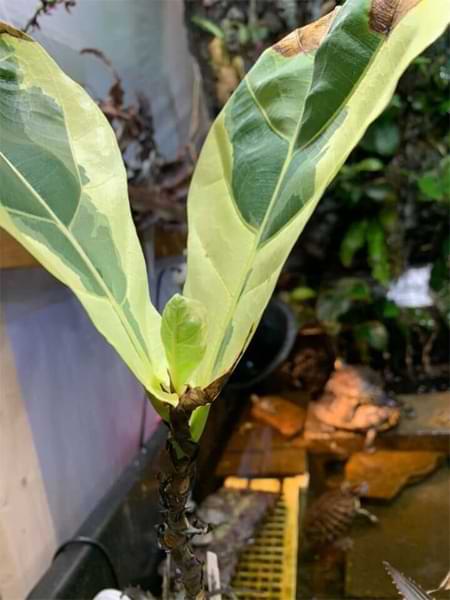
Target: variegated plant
[[270, 154]]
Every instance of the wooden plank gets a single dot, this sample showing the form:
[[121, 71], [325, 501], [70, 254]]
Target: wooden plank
[[277, 462], [257, 450], [27, 538], [12, 254]]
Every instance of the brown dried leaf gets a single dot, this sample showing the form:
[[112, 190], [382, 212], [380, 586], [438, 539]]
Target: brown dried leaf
[[306, 38]]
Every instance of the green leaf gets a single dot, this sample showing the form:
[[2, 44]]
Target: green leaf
[[275, 147], [388, 217], [430, 185], [378, 252], [353, 240], [383, 137], [390, 310], [440, 273], [331, 305], [183, 331], [208, 26], [357, 289], [336, 300], [370, 165], [302, 293], [374, 333], [435, 185], [63, 195]]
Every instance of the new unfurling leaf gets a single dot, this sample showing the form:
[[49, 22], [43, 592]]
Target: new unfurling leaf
[[183, 332]]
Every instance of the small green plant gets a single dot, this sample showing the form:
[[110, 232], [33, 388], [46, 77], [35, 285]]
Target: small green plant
[[268, 158]]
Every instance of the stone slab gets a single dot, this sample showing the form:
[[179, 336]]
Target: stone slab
[[413, 535], [387, 472]]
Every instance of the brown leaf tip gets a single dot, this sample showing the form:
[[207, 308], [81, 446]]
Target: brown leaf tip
[[305, 39], [10, 30], [385, 14]]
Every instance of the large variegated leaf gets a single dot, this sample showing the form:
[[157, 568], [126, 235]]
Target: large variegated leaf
[[278, 143], [63, 195]]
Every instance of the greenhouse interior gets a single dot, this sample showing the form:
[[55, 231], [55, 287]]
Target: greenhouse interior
[[224, 299]]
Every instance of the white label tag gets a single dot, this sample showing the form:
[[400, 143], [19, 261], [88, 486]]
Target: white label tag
[[213, 575]]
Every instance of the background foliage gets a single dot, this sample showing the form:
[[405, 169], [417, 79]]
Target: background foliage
[[387, 210]]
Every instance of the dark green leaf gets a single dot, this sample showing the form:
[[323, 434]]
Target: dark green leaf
[[333, 302], [353, 240], [378, 253], [435, 185], [390, 310], [331, 305], [383, 137], [388, 217], [430, 185], [374, 333]]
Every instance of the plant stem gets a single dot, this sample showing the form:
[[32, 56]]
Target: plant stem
[[176, 482]]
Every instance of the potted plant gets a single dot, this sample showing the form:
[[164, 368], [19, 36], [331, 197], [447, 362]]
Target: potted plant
[[270, 154]]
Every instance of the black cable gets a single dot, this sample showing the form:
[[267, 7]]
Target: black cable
[[83, 540]]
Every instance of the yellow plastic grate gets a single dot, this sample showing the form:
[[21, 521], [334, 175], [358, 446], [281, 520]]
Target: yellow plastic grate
[[267, 569]]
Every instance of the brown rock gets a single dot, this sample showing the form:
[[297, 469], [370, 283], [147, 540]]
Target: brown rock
[[388, 472], [354, 400], [282, 415]]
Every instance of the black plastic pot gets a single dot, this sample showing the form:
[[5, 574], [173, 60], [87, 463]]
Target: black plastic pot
[[270, 346]]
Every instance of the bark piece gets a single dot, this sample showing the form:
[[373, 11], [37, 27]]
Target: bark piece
[[234, 516]]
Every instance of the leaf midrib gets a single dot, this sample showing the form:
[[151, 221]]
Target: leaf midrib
[[254, 249], [263, 112]]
